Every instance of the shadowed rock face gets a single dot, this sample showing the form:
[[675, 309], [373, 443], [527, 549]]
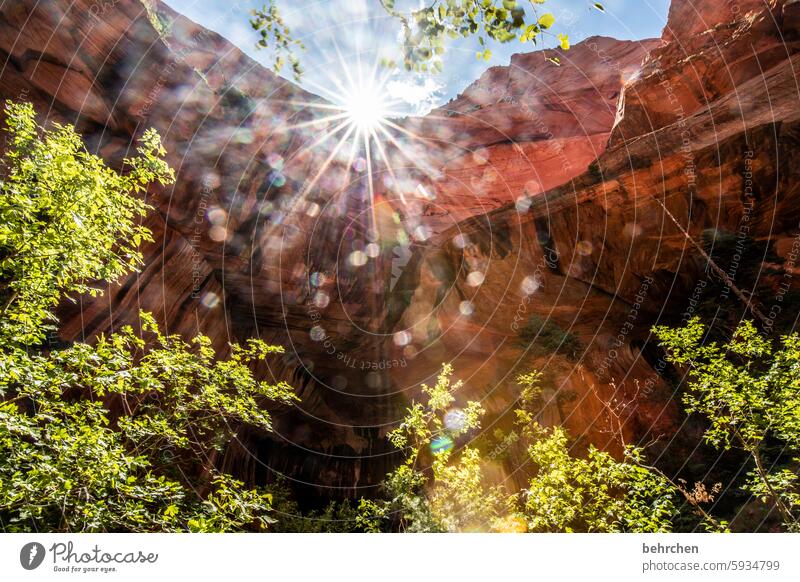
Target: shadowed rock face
[[534, 217]]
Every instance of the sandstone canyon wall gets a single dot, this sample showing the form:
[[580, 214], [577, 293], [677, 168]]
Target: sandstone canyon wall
[[534, 235]]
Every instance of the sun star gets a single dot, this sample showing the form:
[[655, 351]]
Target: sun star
[[365, 109], [359, 124]]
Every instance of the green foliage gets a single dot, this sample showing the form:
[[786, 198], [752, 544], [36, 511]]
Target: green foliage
[[450, 495], [159, 20], [274, 33], [425, 30], [544, 336], [65, 220], [119, 435], [589, 493], [531, 388], [68, 464], [593, 494], [336, 517], [567, 493], [749, 393], [234, 98], [371, 515]]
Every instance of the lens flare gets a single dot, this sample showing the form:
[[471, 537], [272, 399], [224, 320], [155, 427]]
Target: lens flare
[[441, 444], [365, 108]]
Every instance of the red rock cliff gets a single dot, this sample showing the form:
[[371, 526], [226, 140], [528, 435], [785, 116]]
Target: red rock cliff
[[541, 205]]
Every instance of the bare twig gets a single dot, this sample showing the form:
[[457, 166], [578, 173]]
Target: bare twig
[[716, 268]]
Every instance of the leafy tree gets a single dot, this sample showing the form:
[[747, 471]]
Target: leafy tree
[[589, 493], [449, 495], [426, 29], [120, 435], [749, 393], [336, 517], [68, 464], [65, 220], [595, 493]]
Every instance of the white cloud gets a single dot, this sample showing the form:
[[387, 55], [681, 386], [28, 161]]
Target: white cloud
[[419, 94]]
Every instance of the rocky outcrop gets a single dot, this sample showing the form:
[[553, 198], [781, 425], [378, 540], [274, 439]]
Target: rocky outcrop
[[116, 68], [696, 152], [710, 50], [531, 235], [528, 127]]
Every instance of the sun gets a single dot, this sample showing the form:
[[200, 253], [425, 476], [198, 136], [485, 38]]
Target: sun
[[366, 108], [359, 120]]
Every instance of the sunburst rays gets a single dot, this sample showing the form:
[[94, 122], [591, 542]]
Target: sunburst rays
[[358, 112]]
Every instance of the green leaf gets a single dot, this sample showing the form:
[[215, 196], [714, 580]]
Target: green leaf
[[67, 463], [547, 20]]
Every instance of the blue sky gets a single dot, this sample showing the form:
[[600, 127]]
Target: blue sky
[[361, 31]]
